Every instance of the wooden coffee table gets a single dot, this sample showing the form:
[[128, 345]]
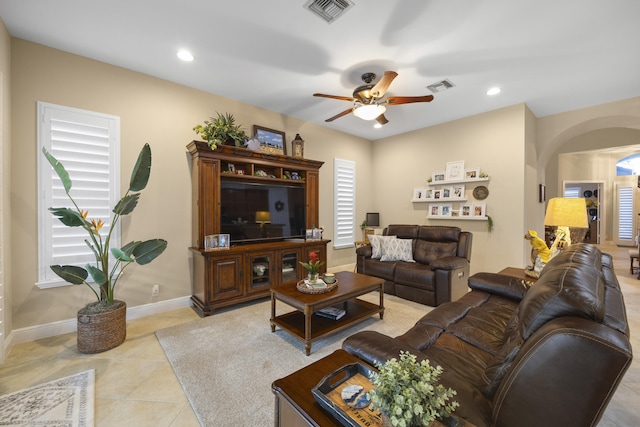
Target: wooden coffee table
[[302, 324]]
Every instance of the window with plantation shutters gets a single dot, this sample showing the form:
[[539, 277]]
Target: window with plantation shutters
[[344, 190], [88, 145]]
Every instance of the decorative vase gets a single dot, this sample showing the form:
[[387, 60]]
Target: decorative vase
[[101, 327], [313, 277]]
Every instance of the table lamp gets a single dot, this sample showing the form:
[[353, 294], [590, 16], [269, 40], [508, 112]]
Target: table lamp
[[263, 217], [563, 213]]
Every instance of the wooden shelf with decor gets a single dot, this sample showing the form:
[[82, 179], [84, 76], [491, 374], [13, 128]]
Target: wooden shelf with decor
[[247, 271]]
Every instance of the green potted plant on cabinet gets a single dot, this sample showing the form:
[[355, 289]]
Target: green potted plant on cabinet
[[102, 324], [407, 392], [221, 130]]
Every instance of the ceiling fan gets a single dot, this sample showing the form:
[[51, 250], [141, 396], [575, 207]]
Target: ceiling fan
[[367, 98]]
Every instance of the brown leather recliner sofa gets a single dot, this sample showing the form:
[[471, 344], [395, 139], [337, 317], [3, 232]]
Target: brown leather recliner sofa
[[550, 353], [439, 268]]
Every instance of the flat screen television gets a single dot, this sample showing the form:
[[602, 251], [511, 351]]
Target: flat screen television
[[256, 212]]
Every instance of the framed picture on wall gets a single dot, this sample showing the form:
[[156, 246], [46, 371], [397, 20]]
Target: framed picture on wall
[[472, 173], [437, 176], [479, 210], [454, 171], [465, 210]]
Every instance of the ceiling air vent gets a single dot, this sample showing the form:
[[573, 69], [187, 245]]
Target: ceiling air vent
[[440, 86], [329, 10]]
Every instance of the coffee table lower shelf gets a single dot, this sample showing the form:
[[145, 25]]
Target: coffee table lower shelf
[[356, 310]]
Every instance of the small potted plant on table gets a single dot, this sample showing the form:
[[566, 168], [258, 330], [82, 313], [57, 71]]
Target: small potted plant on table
[[407, 392]]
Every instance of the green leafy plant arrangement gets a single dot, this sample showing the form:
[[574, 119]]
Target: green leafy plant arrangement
[[220, 130], [104, 275], [408, 393]]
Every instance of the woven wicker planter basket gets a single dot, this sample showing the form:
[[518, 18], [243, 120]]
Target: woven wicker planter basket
[[98, 332]]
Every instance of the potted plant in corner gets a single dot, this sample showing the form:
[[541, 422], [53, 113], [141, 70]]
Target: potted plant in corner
[[102, 324], [221, 130], [407, 393]]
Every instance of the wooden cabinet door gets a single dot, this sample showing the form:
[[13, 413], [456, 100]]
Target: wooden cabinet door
[[288, 265], [225, 278], [260, 271]]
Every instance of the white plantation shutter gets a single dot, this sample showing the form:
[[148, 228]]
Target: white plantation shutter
[[87, 144], [344, 191]]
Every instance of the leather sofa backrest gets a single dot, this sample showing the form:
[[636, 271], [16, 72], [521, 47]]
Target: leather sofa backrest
[[402, 231]]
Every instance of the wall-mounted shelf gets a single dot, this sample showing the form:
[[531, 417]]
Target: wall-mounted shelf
[[463, 181], [461, 218], [450, 199]]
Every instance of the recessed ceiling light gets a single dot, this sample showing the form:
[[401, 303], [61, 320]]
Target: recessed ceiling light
[[185, 55], [377, 126], [494, 91]]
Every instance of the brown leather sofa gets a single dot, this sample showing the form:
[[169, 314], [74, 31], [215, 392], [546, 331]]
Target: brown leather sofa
[[440, 271], [549, 353]]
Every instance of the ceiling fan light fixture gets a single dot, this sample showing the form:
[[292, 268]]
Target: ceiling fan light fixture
[[369, 112]]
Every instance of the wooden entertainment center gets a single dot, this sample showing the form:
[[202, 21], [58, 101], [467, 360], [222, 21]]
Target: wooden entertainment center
[[246, 272]]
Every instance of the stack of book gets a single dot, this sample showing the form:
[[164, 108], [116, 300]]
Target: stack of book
[[331, 313]]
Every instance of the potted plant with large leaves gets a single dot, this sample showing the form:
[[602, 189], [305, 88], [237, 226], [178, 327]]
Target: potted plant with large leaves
[[221, 130], [102, 324]]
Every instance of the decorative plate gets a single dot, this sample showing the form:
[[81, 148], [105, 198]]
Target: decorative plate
[[480, 192], [587, 193]]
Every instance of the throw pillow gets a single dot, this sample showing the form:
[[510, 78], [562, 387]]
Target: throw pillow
[[376, 244], [397, 250]]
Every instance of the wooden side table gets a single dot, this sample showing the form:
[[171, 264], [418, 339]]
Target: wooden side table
[[295, 405]]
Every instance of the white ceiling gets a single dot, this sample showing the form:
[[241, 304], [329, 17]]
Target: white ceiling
[[553, 55]]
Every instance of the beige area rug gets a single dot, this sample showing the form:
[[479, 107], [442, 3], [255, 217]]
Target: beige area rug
[[67, 402], [226, 362]]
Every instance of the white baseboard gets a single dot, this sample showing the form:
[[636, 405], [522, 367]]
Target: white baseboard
[[33, 333]]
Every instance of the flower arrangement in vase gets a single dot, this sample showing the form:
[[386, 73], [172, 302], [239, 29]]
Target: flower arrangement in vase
[[313, 266]]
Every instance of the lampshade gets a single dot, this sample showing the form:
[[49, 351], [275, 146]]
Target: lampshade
[[567, 212], [369, 112], [263, 217]]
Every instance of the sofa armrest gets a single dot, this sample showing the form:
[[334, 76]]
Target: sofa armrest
[[449, 263], [364, 251], [374, 347], [500, 284]]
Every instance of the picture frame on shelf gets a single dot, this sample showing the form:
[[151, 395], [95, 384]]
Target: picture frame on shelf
[[231, 168], [428, 194], [458, 191], [465, 210], [437, 176], [479, 210], [455, 213], [446, 192], [437, 194], [454, 171], [473, 173], [434, 210], [223, 241], [445, 210], [210, 242], [271, 141], [419, 193]]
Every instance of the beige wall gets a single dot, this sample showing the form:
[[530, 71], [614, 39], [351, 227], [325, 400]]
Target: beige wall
[[493, 142], [162, 114], [5, 171], [511, 145]]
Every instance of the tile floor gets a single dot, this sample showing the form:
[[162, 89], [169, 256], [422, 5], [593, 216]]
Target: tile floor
[[135, 385]]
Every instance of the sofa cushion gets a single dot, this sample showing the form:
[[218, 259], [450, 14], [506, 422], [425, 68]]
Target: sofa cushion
[[376, 244], [415, 274], [426, 252], [377, 268], [397, 250]]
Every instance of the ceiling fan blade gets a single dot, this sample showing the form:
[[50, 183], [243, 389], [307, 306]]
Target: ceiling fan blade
[[337, 116], [382, 119], [397, 100], [381, 87], [342, 98]]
